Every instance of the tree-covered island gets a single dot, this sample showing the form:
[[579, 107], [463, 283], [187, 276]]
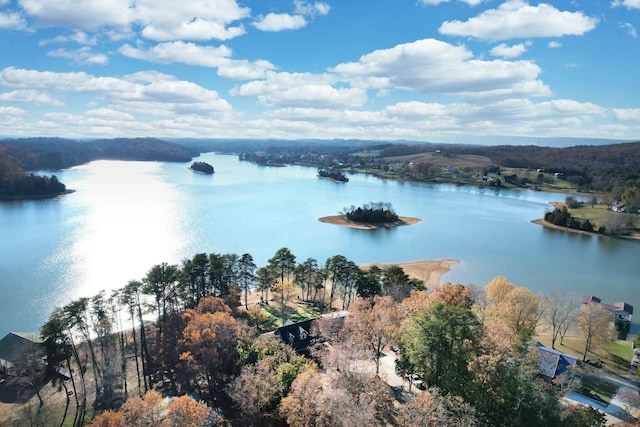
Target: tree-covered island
[[332, 174], [370, 216], [202, 167]]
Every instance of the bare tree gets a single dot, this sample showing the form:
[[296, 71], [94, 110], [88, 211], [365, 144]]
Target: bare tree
[[560, 314], [595, 324]]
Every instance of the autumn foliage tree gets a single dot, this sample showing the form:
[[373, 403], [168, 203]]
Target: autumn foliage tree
[[373, 324], [208, 347]]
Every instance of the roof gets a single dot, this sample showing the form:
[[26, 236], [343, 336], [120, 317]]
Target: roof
[[618, 308], [552, 362], [297, 335], [14, 344]]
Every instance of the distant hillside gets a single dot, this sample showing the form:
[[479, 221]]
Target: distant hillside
[[29, 154]]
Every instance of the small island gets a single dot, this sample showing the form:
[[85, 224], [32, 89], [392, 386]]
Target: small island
[[369, 217], [202, 167], [333, 175]]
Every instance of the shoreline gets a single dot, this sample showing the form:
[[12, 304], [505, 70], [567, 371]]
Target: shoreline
[[429, 270], [342, 221], [37, 197], [560, 205]]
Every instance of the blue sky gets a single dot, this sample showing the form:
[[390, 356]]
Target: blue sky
[[425, 70]]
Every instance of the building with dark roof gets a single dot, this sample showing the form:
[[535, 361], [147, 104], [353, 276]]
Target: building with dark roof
[[552, 362], [15, 345], [621, 311]]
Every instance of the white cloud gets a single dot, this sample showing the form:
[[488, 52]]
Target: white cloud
[[79, 37], [629, 4], [280, 22], [180, 52], [140, 92], [159, 20], [84, 55], [92, 15], [554, 44], [13, 21], [204, 56], [311, 9], [30, 96], [303, 12], [627, 115], [109, 114], [506, 51], [433, 66], [629, 28], [301, 90], [518, 19]]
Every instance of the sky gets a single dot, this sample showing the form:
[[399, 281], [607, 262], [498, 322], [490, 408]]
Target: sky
[[423, 70]]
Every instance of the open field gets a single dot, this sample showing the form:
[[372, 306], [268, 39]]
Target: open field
[[460, 161]]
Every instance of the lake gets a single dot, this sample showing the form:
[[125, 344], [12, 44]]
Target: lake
[[125, 217]]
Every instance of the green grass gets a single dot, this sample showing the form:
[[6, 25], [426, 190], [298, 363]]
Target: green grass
[[596, 214], [615, 355], [596, 389]]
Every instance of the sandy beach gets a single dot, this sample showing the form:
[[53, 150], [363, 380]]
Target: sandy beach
[[430, 271], [344, 222]]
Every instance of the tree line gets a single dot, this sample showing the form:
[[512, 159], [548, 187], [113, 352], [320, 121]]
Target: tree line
[[30, 154], [376, 212], [467, 344]]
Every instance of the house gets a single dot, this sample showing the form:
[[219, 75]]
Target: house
[[552, 362], [297, 335], [15, 345], [621, 311]]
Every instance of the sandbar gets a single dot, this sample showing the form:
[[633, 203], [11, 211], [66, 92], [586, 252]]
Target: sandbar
[[429, 271], [344, 222]]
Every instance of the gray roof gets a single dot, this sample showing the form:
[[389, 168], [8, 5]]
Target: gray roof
[[15, 344]]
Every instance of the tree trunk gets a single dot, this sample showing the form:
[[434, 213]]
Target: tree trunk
[[66, 406], [135, 352]]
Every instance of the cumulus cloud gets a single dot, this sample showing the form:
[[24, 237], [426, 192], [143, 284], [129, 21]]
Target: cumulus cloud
[[629, 4], [518, 19], [627, 114], [433, 66], [93, 14], [178, 52], [204, 56], [506, 51], [139, 92], [280, 22], [31, 97], [79, 37], [159, 20], [554, 44], [301, 90], [13, 21], [303, 12], [84, 55]]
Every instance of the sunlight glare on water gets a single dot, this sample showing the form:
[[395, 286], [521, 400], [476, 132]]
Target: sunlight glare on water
[[111, 245]]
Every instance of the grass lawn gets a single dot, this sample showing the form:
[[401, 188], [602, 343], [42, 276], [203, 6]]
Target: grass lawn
[[596, 214], [596, 389], [614, 356], [296, 312]]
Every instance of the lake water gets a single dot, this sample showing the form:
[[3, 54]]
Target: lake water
[[128, 216]]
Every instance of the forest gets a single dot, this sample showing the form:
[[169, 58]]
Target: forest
[[589, 168], [212, 349]]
